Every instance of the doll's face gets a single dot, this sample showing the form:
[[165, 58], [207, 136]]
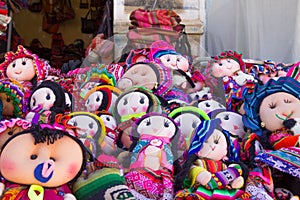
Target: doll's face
[[187, 122], [94, 101], [157, 126], [45, 164], [276, 108], [86, 125], [138, 75], [175, 62], [8, 133], [21, 69], [44, 97], [209, 105], [133, 103], [109, 121], [8, 105], [215, 147], [232, 122], [225, 67]]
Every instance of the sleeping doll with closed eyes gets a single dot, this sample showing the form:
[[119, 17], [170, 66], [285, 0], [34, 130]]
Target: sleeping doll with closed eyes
[[211, 170], [271, 112]]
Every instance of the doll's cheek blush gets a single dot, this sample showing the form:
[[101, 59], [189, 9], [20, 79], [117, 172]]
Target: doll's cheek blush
[[144, 108], [7, 165], [73, 169]]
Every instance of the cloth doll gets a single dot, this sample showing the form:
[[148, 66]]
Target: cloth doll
[[201, 91], [12, 100], [131, 105], [9, 127], [90, 130], [109, 143], [233, 123], [152, 160], [164, 53], [230, 67], [209, 106], [98, 99], [24, 67], [265, 70], [259, 184], [211, 170], [147, 74], [268, 107], [46, 101], [41, 163]]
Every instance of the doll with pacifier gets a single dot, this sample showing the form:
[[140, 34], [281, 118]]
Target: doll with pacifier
[[41, 162]]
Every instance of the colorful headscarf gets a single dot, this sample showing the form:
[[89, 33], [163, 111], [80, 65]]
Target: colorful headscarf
[[160, 48], [204, 131], [253, 99], [16, 95], [41, 66]]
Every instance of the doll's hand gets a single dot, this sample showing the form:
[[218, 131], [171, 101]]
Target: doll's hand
[[237, 183], [69, 196], [241, 78], [203, 178]]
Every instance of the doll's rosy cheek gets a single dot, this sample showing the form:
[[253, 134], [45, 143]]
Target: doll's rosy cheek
[[144, 108], [7, 165], [73, 169], [123, 111]]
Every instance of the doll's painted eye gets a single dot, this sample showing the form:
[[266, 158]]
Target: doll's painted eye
[[166, 124], [287, 101], [178, 59], [88, 101], [272, 105], [98, 99], [74, 123], [51, 158], [226, 117], [228, 60], [142, 100], [207, 104], [33, 157], [34, 102], [48, 97], [220, 64], [23, 63], [125, 102], [8, 99], [91, 125], [14, 65], [107, 119], [148, 122]]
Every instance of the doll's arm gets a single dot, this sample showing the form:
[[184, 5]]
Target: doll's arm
[[200, 175]]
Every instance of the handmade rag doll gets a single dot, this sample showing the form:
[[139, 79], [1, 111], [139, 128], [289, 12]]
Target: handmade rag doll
[[90, 130], [46, 101], [152, 157], [40, 163], [131, 105], [25, 68], [12, 100], [270, 110], [211, 171], [269, 107], [230, 67]]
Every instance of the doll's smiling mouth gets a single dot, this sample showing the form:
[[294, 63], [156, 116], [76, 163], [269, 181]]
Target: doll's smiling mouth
[[285, 117], [18, 73]]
